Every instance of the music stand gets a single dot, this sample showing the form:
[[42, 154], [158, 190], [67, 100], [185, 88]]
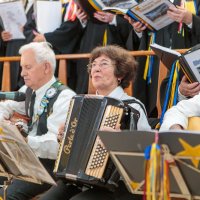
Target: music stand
[[127, 152], [17, 160]]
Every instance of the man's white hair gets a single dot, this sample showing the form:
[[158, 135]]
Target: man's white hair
[[43, 52]]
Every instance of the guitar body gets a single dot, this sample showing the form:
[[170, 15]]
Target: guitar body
[[194, 124]]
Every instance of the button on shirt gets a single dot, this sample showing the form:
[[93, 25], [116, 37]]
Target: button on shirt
[[45, 146]]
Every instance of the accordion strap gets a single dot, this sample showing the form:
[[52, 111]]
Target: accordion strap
[[130, 101]]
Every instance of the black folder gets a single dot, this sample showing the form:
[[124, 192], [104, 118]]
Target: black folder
[[189, 61]]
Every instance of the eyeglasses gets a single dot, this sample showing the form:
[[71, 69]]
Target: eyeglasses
[[101, 65]]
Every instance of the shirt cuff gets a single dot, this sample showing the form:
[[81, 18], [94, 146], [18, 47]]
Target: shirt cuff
[[181, 96], [190, 25], [138, 34], [83, 23], [114, 21]]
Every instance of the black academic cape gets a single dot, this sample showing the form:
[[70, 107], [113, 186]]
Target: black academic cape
[[64, 40], [2, 53], [94, 36], [167, 37]]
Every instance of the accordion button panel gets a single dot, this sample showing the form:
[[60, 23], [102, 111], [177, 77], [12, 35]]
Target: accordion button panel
[[99, 156]]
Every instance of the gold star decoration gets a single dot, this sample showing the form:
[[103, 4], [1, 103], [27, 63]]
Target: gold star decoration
[[134, 185], [191, 151]]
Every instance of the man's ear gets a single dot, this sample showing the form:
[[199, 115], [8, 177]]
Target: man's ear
[[47, 68]]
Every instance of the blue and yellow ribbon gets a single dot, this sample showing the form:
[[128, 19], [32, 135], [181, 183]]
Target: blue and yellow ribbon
[[149, 61], [152, 173], [172, 89], [156, 173]]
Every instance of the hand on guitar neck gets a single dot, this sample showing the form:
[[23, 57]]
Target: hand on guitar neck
[[20, 121]]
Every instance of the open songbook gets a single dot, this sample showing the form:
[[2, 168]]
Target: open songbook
[[181, 150], [152, 13], [189, 61]]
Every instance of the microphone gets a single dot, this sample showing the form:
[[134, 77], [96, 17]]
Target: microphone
[[15, 96]]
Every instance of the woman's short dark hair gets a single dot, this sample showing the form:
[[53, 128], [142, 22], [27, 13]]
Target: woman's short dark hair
[[124, 62]]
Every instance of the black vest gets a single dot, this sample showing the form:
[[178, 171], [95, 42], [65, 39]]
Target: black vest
[[42, 122]]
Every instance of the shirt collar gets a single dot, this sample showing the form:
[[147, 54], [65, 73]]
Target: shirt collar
[[44, 88], [117, 92]]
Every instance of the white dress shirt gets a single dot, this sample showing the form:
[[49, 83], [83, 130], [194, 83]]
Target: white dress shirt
[[44, 146], [120, 94], [180, 113]]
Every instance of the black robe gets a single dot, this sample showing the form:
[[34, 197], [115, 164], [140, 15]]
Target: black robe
[[2, 53], [168, 37], [11, 48], [64, 40], [93, 37]]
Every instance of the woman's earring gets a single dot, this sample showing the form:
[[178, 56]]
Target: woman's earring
[[119, 81]]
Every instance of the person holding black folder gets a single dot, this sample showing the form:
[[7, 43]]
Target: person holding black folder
[[99, 28], [64, 39], [178, 35]]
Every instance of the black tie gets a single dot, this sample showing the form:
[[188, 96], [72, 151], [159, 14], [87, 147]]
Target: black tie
[[31, 108]]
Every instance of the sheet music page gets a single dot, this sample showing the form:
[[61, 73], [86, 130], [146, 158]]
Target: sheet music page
[[13, 18], [49, 16], [19, 157]]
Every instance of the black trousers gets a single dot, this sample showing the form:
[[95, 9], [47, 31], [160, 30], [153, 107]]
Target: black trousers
[[22, 190], [121, 193], [62, 191], [94, 194]]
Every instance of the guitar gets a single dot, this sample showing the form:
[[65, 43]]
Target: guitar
[[194, 124]]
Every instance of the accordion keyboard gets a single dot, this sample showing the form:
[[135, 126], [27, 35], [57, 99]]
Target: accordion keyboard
[[99, 156]]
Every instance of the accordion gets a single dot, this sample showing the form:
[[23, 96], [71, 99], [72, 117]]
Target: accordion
[[82, 156]]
